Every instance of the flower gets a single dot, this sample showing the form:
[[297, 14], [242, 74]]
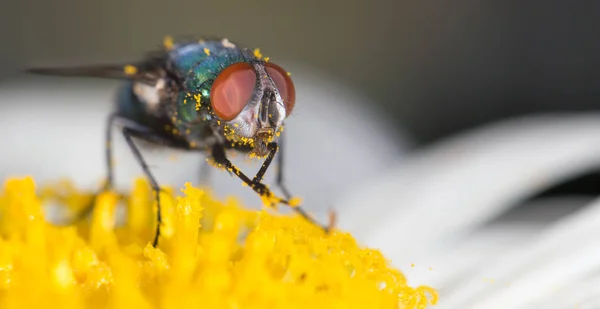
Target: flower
[[211, 254]]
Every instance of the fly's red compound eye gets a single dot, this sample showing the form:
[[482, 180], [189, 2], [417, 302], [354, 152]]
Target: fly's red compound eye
[[232, 89], [284, 85]]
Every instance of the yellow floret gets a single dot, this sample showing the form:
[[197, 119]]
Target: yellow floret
[[211, 254]]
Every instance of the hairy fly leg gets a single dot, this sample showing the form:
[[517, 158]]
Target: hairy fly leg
[[256, 184], [279, 171], [279, 181], [132, 129], [128, 133], [108, 152]]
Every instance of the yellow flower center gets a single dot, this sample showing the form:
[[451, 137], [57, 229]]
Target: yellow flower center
[[211, 254]]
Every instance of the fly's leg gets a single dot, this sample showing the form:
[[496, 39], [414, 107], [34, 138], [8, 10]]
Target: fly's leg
[[279, 171], [130, 129], [283, 187], [108, 153], [128, 133], [256, 184]]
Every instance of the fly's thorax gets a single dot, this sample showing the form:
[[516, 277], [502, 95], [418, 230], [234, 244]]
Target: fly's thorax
[[189, 113]]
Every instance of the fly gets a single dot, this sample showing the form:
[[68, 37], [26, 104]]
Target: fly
[[201, 95]]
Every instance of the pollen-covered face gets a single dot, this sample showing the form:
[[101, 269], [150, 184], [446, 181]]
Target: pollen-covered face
[[253, 100]]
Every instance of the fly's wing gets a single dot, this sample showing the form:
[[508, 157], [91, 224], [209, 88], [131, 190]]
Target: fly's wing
[[149, 70], [155, 65], [111, 71]]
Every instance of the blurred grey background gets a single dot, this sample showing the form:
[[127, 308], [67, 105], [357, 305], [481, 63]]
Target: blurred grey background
[[432, 67]]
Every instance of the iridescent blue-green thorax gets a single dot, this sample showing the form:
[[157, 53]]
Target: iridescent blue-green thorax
[[199, 63]]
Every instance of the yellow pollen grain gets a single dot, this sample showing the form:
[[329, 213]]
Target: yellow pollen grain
[[168, 43], [130, 70], [288, 73], [295, 201], [207, 51], [198, 106], [257, 53]]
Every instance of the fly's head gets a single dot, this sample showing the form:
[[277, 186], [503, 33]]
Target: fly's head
[[252, 100]]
